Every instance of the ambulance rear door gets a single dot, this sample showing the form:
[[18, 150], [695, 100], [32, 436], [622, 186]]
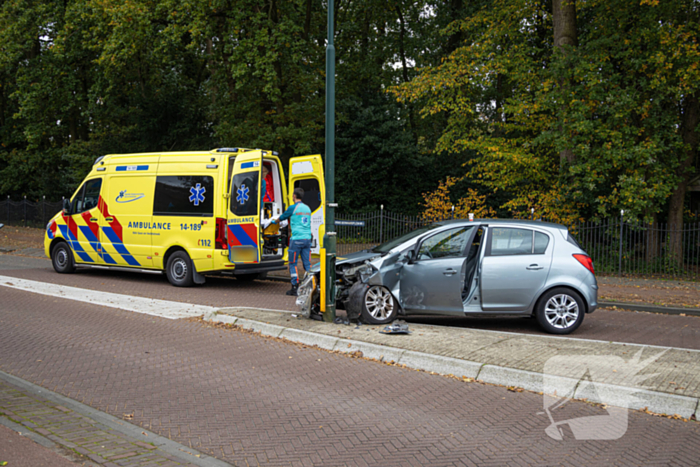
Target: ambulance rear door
[[306, 172], [244, 243]]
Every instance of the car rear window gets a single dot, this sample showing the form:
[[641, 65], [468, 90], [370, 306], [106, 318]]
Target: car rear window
[[541, 242]]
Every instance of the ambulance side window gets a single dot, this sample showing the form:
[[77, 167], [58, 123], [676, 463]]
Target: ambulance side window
[[186, 195], [244, 194], [312, 192], [88, 196]]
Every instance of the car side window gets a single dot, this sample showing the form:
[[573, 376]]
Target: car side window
[[507, 241], [88, 196], [448, 244], [541, 242]]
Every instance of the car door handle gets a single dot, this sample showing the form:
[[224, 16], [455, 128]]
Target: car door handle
[[449, 272], [534, 267], [93, 219]]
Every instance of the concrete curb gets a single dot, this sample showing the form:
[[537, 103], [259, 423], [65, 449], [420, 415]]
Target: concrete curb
[[627, 397], [666, 310], [166, 445]]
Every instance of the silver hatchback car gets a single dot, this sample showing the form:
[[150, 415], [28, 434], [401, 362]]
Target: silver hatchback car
[[466, 268]]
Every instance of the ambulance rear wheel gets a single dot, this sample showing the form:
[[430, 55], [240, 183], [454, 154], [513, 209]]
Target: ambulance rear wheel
[[179, 269], [62, 258]]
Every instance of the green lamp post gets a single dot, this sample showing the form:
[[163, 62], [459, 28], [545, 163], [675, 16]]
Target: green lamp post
[[329, 240]]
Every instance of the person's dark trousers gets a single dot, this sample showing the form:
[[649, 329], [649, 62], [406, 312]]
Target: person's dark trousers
[[298, 249]]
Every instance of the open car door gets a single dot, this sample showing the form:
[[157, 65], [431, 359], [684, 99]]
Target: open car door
[[306, 172], [244, 245]]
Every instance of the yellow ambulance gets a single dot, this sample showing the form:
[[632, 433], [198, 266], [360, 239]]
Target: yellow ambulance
[[185, 214]]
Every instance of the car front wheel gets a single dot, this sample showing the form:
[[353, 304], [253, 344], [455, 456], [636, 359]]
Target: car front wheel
[[379, 306], [560, 311], [62, 258], [179, 269]]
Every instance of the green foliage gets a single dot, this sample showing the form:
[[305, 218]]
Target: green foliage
[[83, 78], [617, 101]]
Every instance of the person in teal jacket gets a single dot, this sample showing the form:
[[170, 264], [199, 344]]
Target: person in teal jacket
[[299, 216]]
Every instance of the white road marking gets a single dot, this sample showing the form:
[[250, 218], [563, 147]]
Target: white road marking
[[149, 306]]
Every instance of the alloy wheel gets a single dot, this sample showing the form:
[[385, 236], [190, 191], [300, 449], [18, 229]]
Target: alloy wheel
[[561, 311], [379, 302]]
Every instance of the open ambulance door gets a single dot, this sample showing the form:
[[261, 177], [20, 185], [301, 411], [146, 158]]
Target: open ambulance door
[[307, 172], [244, 244]]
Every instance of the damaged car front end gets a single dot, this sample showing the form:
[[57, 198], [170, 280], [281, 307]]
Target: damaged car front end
[[367, 282]]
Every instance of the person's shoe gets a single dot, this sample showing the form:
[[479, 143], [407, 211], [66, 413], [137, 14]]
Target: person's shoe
[[292, 291]]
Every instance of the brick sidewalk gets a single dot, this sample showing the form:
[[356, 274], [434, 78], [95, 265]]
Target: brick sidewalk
[[249, 400], [18, 450], [78, 433]]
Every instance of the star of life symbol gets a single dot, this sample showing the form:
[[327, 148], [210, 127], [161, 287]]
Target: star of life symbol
[[242, 195], [197, 194]]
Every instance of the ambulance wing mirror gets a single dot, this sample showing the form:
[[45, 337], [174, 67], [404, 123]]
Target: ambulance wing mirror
[[66, 207]]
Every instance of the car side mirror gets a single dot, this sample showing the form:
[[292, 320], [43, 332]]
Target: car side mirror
[[66, 207], [409, 255]]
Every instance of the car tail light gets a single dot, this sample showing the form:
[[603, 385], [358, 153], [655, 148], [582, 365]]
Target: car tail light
[[220, 242], [586, 261]]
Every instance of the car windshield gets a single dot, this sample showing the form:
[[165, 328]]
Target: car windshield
[[387, 246]]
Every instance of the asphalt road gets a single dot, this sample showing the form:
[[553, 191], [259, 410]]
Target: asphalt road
[[251, 400], [606, 325]]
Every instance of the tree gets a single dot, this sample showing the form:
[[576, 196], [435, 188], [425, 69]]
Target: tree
[[618, 101]]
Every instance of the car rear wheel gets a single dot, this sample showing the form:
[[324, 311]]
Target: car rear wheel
[[179, 269], [560, 311], [62, 258], [379, 306]]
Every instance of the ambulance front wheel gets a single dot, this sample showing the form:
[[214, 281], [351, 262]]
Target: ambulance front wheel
[[179, 269], [62, 258]]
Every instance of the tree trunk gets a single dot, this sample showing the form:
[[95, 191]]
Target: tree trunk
[[690, 120], [652, 247], [404, 68], [565, 34]]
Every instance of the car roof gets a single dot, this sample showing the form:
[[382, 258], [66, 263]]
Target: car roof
[[506, 222]]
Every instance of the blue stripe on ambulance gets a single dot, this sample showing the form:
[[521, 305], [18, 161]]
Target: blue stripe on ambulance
[[74, 244], [119, 246], [96, 245]]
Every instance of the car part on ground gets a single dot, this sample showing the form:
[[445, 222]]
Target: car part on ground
[[396, 328]]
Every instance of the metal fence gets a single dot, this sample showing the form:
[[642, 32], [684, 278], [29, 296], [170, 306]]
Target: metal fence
[[28, 213], [617, 246]]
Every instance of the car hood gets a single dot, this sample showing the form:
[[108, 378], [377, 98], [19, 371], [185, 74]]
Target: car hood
[[353, 258]]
